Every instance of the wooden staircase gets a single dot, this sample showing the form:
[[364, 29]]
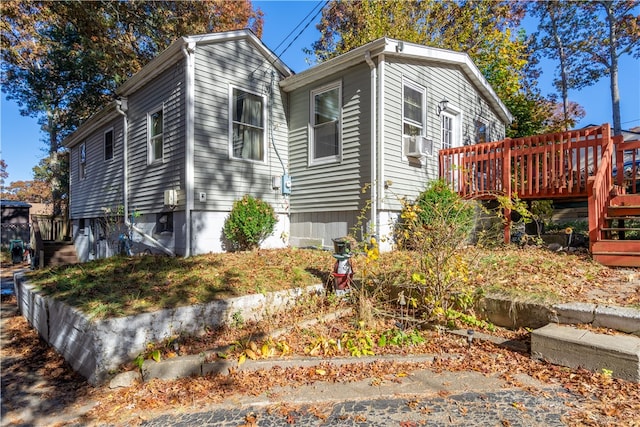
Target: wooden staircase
[[620, 243]]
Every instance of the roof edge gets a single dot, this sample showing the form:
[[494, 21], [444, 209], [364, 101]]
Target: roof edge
[[102, 117], [401, 49]]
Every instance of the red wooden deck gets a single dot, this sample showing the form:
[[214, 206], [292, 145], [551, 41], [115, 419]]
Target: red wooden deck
[[581, 164]]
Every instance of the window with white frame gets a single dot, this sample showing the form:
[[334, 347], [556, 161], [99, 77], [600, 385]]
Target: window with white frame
[[325, 123], [108, 145], [155, 126], [247, 126], [482, 133], [83, 161], [413, 109], [447, 131]]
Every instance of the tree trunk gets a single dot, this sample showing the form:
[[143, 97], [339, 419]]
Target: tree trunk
[[613, 67]]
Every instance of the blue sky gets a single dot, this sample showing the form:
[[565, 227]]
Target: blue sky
[[22, 146]]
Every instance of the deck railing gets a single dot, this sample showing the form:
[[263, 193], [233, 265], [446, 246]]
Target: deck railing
[[627, 165], [544, 166]]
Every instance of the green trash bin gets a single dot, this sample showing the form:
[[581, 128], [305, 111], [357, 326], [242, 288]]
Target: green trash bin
[[16, 248]]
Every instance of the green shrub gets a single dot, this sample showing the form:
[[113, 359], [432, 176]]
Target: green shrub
[[437, 206], [249, 223]]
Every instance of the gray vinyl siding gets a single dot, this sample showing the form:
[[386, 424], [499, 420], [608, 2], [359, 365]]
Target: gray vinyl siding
[[147, 182], [334, 186], [103, 185], [409, 177], [224, 179]]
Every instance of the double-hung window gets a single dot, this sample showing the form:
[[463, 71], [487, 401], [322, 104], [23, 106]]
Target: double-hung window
[[481, 132], [325, 123], [155, 135], [247, 126], [83, 160], [413, 109], [108, 145]]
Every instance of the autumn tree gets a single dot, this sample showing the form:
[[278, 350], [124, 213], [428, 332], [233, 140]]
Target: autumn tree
[[611, 30], [3, 172], [487, 30], [62, 60], [588, 39], [34, 191], [559, 23]]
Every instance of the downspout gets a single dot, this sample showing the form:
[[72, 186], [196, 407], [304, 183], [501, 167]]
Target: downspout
[[374, 147], [122, 108], [188, 49]]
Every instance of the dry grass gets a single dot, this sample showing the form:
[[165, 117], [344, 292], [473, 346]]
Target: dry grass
[[124, 286]]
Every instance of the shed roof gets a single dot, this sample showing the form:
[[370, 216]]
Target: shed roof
[[14, 204]]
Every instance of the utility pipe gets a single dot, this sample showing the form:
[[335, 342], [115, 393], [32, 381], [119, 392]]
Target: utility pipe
[[122, 107], [374, 148]]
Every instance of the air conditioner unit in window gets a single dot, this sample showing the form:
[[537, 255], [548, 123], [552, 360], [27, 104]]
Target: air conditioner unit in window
[[417, 146]]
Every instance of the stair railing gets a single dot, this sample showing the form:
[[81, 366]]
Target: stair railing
[[599, 189]]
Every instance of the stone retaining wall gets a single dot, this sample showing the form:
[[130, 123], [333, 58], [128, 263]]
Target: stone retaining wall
[[94, 348]]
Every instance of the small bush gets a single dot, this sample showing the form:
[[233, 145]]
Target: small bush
[[249, 223], [437, 206]]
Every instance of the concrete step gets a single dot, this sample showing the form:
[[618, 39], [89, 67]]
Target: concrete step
[[581, 348]]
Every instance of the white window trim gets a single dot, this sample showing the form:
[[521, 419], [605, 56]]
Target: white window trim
[[419, 88], [82, 163], [264, 130], [113, 144], [328, 159], [150, 159], [456, 114]]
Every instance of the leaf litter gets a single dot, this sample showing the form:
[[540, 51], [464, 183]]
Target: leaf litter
[[604, 400]]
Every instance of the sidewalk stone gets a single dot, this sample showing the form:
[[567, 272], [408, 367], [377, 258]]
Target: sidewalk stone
[[619, 318], [575, 312], [171, 369], [574, 348]]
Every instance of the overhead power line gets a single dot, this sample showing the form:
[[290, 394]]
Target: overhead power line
[[297, 26], [321, 3]]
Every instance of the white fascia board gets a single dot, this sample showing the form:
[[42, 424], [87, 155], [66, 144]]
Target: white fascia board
[[154, 68], [400, 49], [173, 53], [252, 38], [462, 59], [333, 65], [101, 118]]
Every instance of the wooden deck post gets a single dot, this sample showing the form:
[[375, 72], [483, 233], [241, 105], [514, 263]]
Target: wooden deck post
[[506, 182]]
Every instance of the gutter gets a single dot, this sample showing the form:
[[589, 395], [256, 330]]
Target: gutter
[[374, 145]]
